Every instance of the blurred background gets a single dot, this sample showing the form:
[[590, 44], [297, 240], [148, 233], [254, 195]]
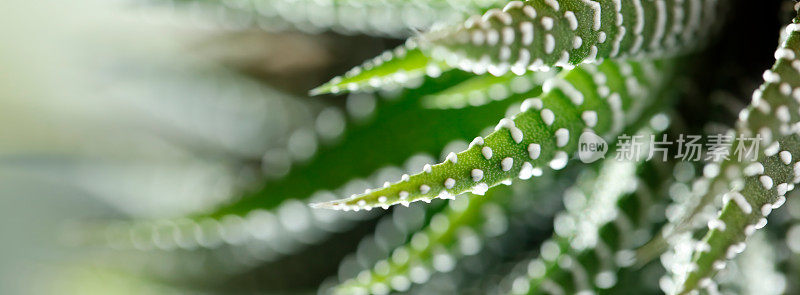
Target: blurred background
[[115, 110], [123, 109]]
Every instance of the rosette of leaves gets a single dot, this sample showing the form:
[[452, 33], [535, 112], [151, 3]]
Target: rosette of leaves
[[543, 72]]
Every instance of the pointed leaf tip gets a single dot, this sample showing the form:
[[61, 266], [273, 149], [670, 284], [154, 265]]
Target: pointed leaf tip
[[323, 205], [403, 67], [322, 89]]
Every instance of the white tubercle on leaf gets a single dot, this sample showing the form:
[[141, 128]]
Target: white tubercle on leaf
[[548, 116], [527, 171], [507, 163], [589, 118], [477, 175], [449, 183], [452, 157], [562, 137], [534, 150], [477, 141], [424, 188], [516, 133], [559, 161], [480, 189], [486, 152]]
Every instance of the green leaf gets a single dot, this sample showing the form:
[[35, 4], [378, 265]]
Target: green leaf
[[762, 185], [483, 89], [402, 67], [744, 211], [768, 115], [532, 35], [543, 135]]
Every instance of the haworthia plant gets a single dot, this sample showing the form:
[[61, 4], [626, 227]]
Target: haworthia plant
[[601, 98], [540, 34], [763, 184], [550, 71]]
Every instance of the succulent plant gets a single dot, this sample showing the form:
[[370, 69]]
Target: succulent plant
[[528, 82]]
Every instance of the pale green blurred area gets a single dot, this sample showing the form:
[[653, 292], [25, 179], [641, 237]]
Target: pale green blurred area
[[106, 110]]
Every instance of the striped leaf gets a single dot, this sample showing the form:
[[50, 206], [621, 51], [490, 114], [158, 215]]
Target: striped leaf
[[538, 34]]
